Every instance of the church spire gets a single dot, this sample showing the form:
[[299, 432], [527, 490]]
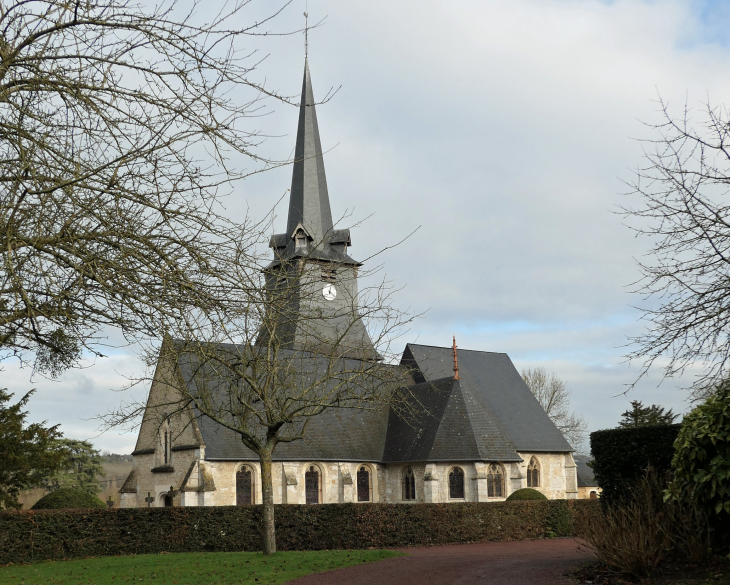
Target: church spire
[[309, 203]]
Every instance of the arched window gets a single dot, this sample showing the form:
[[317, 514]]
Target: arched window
[[168, 501], [495, 481], [456, 483], [409, 484], [363, 484], [244, 486], [593, 496], [311, 485], [533, 474]]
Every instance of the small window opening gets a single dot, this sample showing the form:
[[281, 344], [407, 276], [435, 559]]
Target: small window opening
[[329, 274], [533, 474], [166, 441], [244, 487], [456, 483], [409, 484], [301, 241]]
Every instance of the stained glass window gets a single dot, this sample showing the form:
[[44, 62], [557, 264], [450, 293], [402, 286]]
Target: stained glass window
[[456, 483], [495, 481], [311, 486]]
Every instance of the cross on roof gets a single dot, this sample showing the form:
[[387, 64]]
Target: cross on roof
[[149, 499]]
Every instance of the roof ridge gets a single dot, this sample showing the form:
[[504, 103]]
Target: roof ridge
[[460, 349]]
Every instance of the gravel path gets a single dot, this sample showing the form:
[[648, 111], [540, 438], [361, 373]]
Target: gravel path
[[533, 562]]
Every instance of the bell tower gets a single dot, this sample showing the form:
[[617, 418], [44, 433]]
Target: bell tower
[[312, 278]]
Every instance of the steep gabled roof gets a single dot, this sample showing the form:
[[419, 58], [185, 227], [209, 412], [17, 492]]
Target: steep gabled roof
[[493, 391], [337, 434]]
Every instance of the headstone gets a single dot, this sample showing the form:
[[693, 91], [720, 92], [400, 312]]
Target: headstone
[[149, 499], [110, 502]]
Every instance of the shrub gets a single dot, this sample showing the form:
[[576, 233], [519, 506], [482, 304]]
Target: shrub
[[28, 536], [64, 498], [638, 535], [622, 456], [702, 456], [526, 494]]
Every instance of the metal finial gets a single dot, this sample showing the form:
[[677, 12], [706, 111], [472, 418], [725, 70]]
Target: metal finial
[[306, 34], [456, 362]]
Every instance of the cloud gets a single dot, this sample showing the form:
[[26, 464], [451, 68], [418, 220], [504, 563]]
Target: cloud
[[507, 132]]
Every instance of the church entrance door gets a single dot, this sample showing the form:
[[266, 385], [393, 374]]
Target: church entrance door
[[168, 501], [244, 488], [311, 486]]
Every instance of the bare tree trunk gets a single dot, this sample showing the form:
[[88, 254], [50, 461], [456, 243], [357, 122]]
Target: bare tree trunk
[[267, 493]]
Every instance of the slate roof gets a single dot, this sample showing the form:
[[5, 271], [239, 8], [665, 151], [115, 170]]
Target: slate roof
[[309, 204], [336, 435], [495, 394], [453, 426], [461, 420], [585, 473]]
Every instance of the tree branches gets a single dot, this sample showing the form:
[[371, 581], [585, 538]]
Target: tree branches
[[683, 211], [117, 129]]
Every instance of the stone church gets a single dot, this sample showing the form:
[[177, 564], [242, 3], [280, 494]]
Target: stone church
[[485, 437]]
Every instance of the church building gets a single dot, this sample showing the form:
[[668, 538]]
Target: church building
[[485, 435]]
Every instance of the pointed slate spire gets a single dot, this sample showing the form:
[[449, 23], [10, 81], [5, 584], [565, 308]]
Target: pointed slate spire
[[309, 203]]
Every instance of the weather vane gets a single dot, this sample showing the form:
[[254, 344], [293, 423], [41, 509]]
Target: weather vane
[[306, 33]]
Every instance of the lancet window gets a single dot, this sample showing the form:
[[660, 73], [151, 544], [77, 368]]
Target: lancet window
[[311, 486], [495, 481], [363, 484], [166, 440], [456, 483], [409, 484], [533, 474], [244, 486]]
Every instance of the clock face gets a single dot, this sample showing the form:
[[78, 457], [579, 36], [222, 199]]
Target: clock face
[[329, 291]]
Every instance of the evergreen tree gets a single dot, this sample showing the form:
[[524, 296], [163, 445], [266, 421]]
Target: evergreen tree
[[645, 416], [28, 453], [81, 468]]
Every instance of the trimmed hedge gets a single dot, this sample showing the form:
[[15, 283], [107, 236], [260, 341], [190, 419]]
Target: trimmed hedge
[[622, 455], [27, 536], [65, 498], [526, 494]]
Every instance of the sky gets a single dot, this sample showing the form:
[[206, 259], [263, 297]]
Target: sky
[[507, 133]]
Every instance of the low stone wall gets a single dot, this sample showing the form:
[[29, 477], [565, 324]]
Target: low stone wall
[[29, 536]]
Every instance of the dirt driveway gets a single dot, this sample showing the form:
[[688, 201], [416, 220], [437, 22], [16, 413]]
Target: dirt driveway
[[538, 562]]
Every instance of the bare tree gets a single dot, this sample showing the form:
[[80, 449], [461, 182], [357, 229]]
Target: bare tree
[[276, 360], [684, 214], [554, 397], [117, 133]]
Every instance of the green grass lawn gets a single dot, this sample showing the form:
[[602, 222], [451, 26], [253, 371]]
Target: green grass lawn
[[190, 568]]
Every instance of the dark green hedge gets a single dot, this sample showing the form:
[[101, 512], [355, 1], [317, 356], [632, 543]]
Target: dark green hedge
[[64, 498], [622, 455], [58, 534]]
